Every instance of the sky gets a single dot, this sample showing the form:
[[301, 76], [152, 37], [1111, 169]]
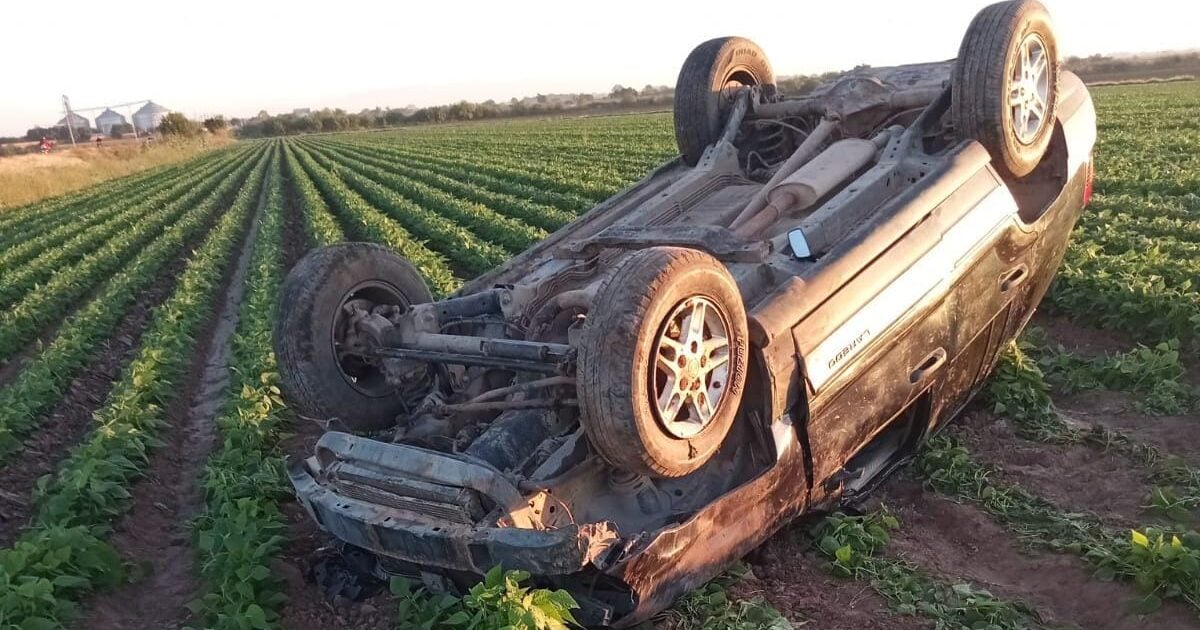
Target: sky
[[238, 57]]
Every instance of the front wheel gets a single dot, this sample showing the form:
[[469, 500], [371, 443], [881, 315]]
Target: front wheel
[[320, 373], [663, 360]]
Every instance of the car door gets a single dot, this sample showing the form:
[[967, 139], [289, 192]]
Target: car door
[[899, 328]]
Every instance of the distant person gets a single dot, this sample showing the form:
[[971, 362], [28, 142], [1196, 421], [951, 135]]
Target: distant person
[[46, 145], [99, 140]]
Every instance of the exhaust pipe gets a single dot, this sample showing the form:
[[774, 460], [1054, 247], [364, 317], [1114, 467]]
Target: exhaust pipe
[[803, 153], [812, 181]]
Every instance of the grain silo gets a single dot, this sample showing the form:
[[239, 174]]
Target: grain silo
[[77, 122], [107, 119], [148, 117]]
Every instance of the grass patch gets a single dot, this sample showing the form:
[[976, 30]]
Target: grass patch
[[28, 178]]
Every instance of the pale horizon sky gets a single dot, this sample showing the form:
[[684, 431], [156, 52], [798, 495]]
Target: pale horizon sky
[[236, 58]]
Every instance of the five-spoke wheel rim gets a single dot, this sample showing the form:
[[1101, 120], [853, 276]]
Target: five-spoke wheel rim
[[1029, 89], [691, 367], [362, 373]]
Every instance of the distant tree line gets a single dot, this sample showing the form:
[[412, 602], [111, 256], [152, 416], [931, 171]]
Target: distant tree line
[[59, 134], [1161, 66], [620, 98]]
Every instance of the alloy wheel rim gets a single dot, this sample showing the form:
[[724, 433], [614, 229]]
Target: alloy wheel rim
[[1029, 89], [691, 367]]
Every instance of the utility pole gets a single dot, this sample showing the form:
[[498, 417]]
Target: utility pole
[[67, 118]]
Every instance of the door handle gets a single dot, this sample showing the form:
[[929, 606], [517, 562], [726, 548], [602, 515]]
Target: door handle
[[1013, 277], [927, 366]]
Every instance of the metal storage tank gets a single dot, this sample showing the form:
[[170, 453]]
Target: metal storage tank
[[106, 120], [77, 122], [148, 117]]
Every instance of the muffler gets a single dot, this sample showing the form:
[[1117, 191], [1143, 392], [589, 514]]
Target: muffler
[[817, 178]]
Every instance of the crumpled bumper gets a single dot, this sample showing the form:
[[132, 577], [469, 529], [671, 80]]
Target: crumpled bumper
[[345, 488]]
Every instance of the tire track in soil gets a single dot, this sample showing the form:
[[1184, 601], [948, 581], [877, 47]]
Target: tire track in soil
[[156, 531], [961, 542], [70, 420], [306, 607], [1073, 477], [1173, 435]]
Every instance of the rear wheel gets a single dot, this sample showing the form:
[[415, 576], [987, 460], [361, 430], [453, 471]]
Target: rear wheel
[[1005, 84], [707, 84], [320, 373], [662, 366]]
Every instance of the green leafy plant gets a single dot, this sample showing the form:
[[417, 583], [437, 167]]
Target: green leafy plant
[[1163, 565], [499, 601]]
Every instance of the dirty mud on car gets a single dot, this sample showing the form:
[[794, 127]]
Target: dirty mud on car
[[766, 326]]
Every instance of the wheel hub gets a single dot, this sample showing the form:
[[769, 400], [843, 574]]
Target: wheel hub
[[691, 359], [363, 374], [1029, 89]]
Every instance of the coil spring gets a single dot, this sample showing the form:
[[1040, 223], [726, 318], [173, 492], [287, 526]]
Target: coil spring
[[766, 143]]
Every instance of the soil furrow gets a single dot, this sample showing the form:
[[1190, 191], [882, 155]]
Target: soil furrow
[[1074, 477], [156, 530], [295, 236], [71, 419], [306, 607]]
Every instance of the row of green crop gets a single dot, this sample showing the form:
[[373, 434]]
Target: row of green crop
[[239, 534], [569, 180], [470, 174], [603, 164], [543, 216], [511, 234], [1019, 391], [56, 257], [320, 227], [47, 305], [42, 379], [1162, 564], [363, 222], [469, 255], [1132, 262], [62, 556], [97, 216]]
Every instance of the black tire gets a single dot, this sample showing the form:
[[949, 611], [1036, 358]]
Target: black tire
[[983, 78], [700, 104], [618, 380], [311, 378]]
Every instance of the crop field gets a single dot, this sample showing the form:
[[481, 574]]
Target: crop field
[[143, 437]]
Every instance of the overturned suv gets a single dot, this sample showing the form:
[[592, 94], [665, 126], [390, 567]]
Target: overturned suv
[[762, 327]]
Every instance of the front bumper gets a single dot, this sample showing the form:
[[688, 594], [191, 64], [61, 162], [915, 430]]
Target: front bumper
[[427, 534]]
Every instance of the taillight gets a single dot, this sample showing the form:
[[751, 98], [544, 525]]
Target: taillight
[[1089, 181]]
